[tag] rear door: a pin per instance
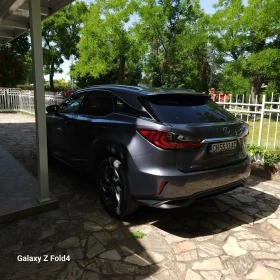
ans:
(216, 137)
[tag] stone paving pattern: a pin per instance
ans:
(231, 236)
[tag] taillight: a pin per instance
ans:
(168, 140)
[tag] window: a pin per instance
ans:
(122, 107)
(72, 104)
(98, 103)
(183, 109)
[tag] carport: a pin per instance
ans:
(16, 17)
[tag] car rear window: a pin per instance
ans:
(178, 108)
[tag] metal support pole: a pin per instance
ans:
(261, 121)
(39, 96)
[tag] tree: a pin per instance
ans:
(107, 45)
(248, 38)
(15, 62)
(61, 35)
(176, 43)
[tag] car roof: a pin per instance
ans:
(143, 90)
(133, 94)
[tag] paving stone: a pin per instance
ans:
(218, 223)
(136, 259)
(170, 238)
(89, 275)
(112, 227)
(92, 267)
(110, 255)
(275, 222)
(181, 266)
(209, 250)
(192, 275)
(72, 272)
(47, 233)
(232, 248)
(76, 254)
(92, 226)
(202, 238)
(229, 200)
(260, 272)
(264, 255)
(273, 264)
(211, 275)
(187, 256)
(124, 268)
(245, 235)
(104, 237)
(209, 264)
(16, 247)
(249, 245)
(241, 216)
(100, 218)
(244, 198)
(154, 242)
(94, 247)
(183, 247)
(221, 237)
(152, 256)
(70, 242)
(239, 266)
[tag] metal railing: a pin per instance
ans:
(23, 101)
(263, 117)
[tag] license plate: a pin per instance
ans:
(223, 146)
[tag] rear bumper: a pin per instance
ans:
(183, 188)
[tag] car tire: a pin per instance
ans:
(113, 188)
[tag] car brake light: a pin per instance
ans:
(167, 140)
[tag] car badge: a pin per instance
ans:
(226, 130)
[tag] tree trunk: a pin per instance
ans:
(121, 71)
(255, 85)
(51, 76)
(156, 76)
(203, 75)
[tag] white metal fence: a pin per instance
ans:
(13, 99)
(263, 118)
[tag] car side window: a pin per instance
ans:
(98, 103)
(72, 104)
(122, 107)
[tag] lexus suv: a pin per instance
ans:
(163, 148)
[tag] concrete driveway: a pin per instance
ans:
(232, 236)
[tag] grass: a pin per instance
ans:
(137, 234)
(269, 131)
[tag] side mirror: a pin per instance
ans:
(52, 109)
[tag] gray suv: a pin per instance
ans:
(159, 147)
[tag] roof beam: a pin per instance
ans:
(16, 24)
(11, 6)
(8, 35)
(45, 11)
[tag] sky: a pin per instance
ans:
(206, 5)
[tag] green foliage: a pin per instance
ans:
(107, 45)
(175, 38)
(137, 234)
(247, 38)
(15, 62)
(61, 35)
(271, 157)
